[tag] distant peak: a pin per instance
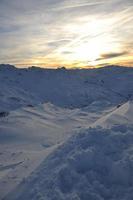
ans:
(7, 66)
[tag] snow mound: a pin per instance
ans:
(97, 164)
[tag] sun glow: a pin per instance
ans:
(93, 38)
(88, 52)
(88, 39)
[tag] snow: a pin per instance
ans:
(121, 115)
(29, 134)
(66, 134)
(95, 164)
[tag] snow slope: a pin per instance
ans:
(29, 134)
(96, 164)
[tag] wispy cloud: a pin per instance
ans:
(80, 4)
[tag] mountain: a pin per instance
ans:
(62, 87)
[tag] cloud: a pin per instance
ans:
(74, 5)
(111, 55)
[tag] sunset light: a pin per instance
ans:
(71, 33)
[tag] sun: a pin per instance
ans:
(88, 52)
(35, 61)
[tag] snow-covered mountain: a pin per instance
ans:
(67, 88)
(66, 134)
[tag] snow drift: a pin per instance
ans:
(122, 114)
(96, 165)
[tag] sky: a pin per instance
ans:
(70, 33)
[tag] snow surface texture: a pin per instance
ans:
(47, 148)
